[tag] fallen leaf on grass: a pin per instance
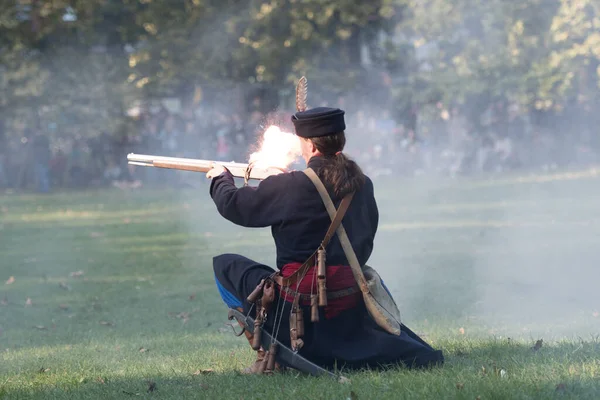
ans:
(28, 302)
(203, 372)
(460, 386)
(10, 280)
(151, 386)
(142, 350)
(76, 274)
(461, 331)
(126, 220)
(41, 327)
(106, 323)
(538, 345)
(64, 286)
(185, 316)
(561, 387)
(42, 370)
(63, 306)
(101, 380)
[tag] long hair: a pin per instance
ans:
(339, 173)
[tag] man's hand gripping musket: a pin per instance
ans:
(238, 170)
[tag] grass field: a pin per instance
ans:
(110, 294)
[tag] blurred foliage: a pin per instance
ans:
(538, 53)
(81, 63)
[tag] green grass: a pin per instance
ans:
(509, 261)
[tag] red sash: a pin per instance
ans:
(339, 277)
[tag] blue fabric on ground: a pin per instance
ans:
(228, 298)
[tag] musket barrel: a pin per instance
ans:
(239, 170)
(140, 157)
(150, 159)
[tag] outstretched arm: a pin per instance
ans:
(252, 207)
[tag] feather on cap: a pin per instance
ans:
(301, 94)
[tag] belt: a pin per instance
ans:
(330, 295)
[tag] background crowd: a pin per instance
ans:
(505, 140)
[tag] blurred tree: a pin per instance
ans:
(21, 76)
(59, 66)
(575, 48)
(477, 53)
(261, 43)
(85, 61)
(537, 53)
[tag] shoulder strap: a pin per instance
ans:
(348, 250)
(336, 221)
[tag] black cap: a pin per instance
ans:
(319, 121)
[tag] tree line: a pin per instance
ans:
(80, 64)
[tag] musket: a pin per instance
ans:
(239, 170)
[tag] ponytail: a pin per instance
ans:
(339, 173)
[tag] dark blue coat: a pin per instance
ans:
(291, 205)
